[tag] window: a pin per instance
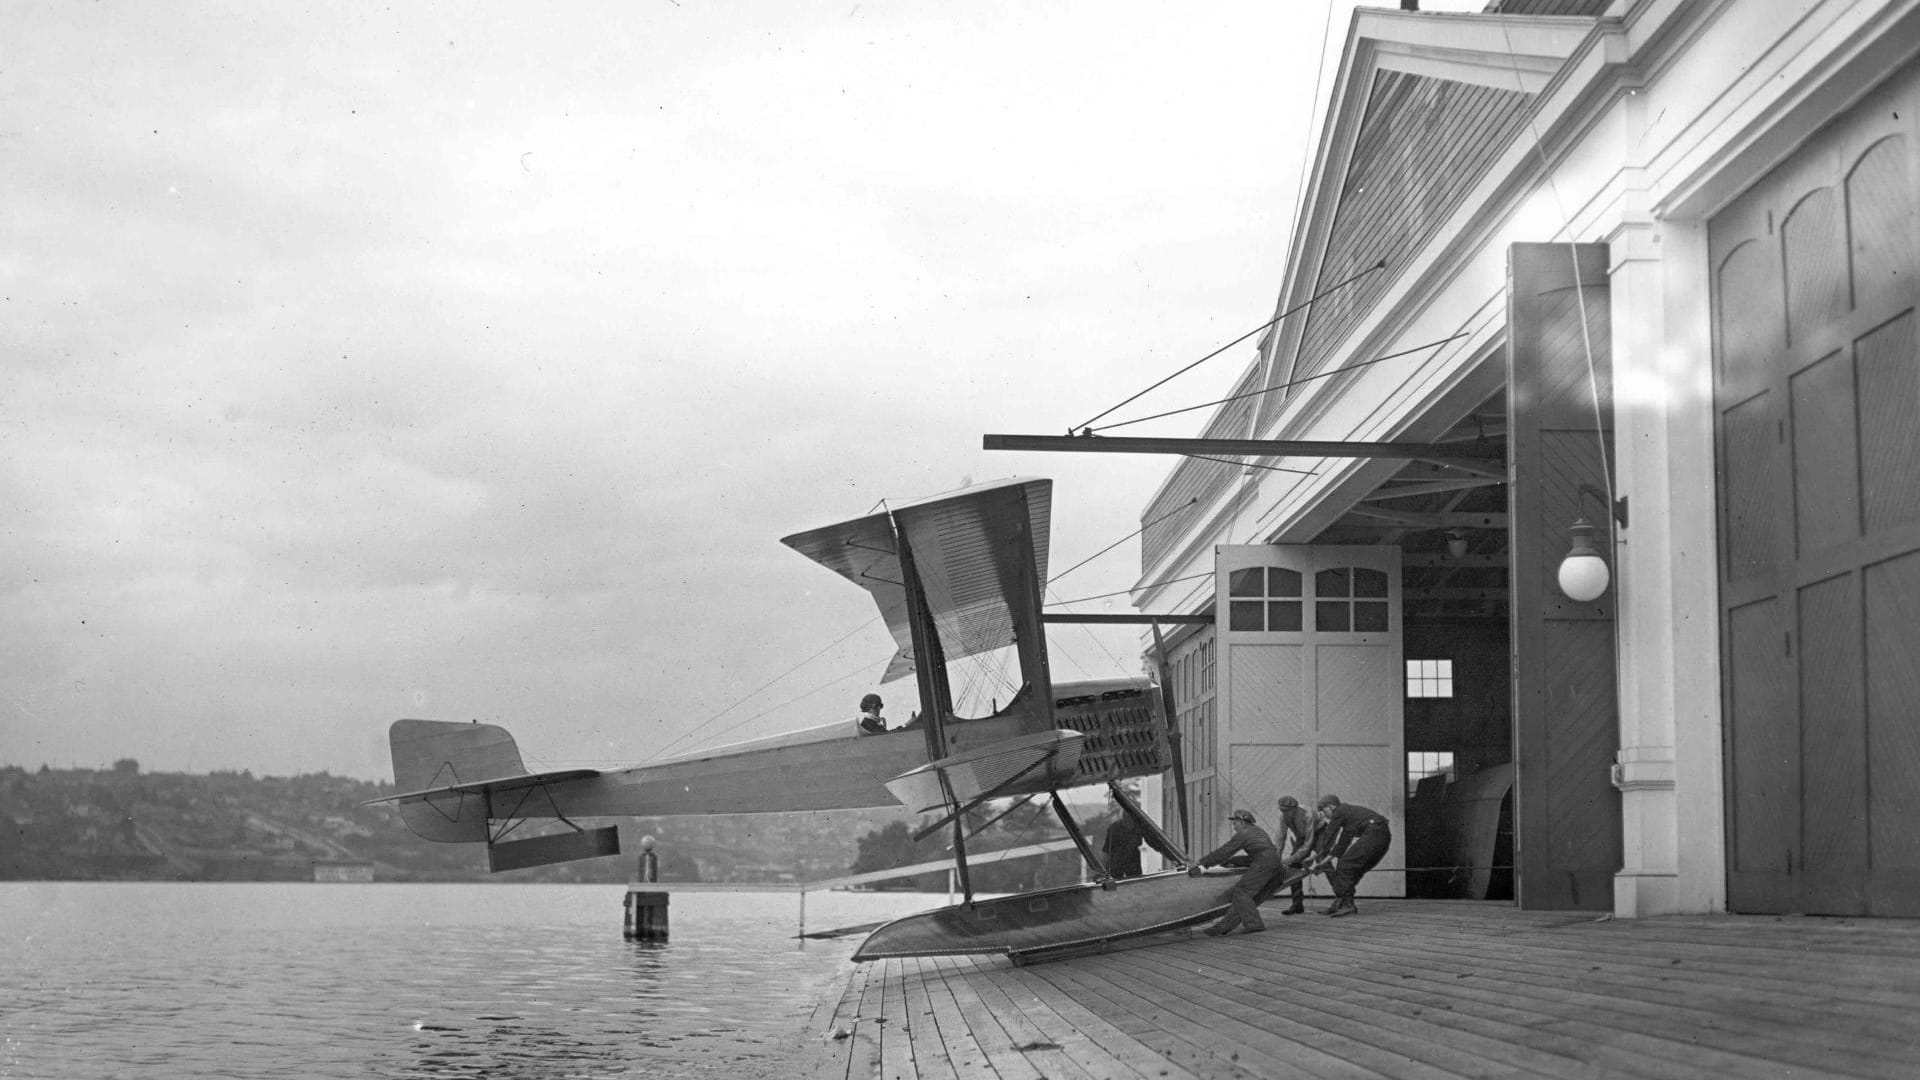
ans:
(1422, 764)
(1264, 598)
(1429, 678)
(1350, 599)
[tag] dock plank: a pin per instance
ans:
(995, 1044)
(1107, 1051)
(894, 1026)
(957, 1038)
(932, 1059)
(1656, 1002)
(1421, 990)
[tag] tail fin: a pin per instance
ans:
(435, 767)
(449, 774)
(431, 754)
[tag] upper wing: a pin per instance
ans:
(982, 557)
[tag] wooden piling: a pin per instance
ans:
(646, 908)
(646, 914)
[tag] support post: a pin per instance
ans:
(646, 908)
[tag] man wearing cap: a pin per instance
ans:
(1354, 839)
(1265, 867)
(1297, 828)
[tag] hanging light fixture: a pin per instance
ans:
(1456, 544)
(1584, 574)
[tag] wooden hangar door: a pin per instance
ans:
(1566, 717)
(1309, 684)
(1817, 405)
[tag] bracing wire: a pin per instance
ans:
(1182, 508)
(1290, 384)
(701, 726)
(1341, 284)
(1130, 592)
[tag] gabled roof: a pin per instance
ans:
(1423, 106)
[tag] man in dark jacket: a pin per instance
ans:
(1265, 868)
(1121, 847)
(1354, 838)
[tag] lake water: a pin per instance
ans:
(292, 981)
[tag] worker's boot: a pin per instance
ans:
(1298, 907)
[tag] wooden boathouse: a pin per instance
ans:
(1643, 271)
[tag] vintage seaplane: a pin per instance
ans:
(954, 576)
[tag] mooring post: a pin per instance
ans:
(646, 908)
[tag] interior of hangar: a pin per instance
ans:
(1594, 367)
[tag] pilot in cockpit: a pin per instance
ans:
(871, 722)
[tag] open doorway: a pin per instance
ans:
(1459, 759)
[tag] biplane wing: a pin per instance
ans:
(979, 558)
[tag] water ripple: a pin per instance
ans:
(428, 981)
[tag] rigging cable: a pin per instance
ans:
(697, 728)
(1182, 508)
(1285, 385)
(1376, 267)
(1130, 592)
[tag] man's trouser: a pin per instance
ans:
(1243, 903)
(1362, 855)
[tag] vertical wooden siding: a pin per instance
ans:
(1425, 144)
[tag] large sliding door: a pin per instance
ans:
(1311, 684)
(1566, 714)
(1817, 399)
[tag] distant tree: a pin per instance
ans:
(893, 845)
(127, 766)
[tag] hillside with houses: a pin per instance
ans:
(123, 824)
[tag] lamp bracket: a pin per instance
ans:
(1616, 507)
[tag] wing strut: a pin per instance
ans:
(1161, 840)
(989, 823)
(1080, 839)
(959, 842)
(990, 793)
(929, 660)
(1161, 661)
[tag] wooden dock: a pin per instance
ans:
(1408, 988)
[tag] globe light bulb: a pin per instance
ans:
(1583, 572)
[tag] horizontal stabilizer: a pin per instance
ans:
(559, 847)
(493, 786)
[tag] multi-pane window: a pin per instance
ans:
(1429, 678)
(1264, 598)
(1424, 763)
(1350, 598)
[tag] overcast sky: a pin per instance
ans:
(469, 361)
